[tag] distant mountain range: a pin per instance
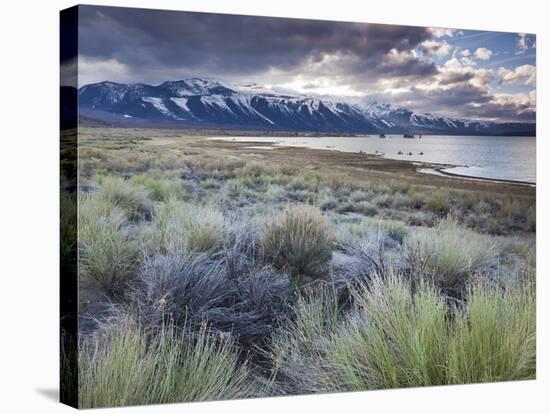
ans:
(201, 103)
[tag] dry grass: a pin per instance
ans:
(299, 240)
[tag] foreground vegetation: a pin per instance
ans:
(394, 338)
(205, 276)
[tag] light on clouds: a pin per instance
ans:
(483, 53)
(440, 70)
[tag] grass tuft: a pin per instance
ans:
(449, 254)
(130, 198)
(124, 366)
(107, 254)
(299, 240)
(399, 337)
(179, 227)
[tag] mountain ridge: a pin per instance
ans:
(202, 103)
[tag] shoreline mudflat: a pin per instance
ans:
(363, 166)
(477, 178)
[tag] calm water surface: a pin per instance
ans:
(500, 158)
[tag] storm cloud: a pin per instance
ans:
(231, 43)
(410, 66)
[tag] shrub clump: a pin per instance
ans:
(206, 229)
(349, 235)
(299, 240)
(449, 254)
(161, 188)
(226, 292)
(439, 202)
(126, 195)
(179, 227)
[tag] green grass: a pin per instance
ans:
(416, 201)
(167, 233)
(358, 196)
(107, 253)
(124, 366)
(494, 339)
(298, 183)
(396, 338)
(179, 227)
(159, 187)
(124, 194)
(449, 254)
(209, 184)
(295, 348)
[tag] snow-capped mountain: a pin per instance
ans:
(389, 118)
(199, 102)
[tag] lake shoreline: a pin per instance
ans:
(430, 168)
(484, 158)
(473, 177)
(360, 165)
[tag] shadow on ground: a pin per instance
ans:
(49, 393)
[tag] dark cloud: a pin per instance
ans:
(320, 58)
(310, 85)
(504, 108)
(405, 64)
(456, 97)
(469, 101)
(231, 43)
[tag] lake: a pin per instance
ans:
(491, 157)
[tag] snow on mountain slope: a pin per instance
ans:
(159, 106)
(200, 102)
(181, 103)
(193, 86)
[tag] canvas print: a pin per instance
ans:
(256, 206)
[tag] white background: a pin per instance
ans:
(29, 205)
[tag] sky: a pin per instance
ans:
(463, 73)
